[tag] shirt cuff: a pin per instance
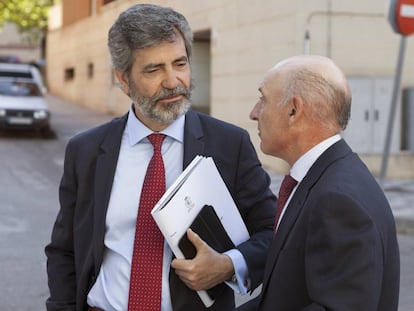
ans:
(240, 282)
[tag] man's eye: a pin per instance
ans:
(181, 64)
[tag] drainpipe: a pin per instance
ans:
(329, 14)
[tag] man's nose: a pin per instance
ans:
(255, 112)
(171, 80)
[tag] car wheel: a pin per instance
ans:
(46, 132)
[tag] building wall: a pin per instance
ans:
(246, 39)
(13, 44)
(75, 10)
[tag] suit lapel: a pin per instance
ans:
(332, 154)
(104, 176)
(193, 137)
(291, 214)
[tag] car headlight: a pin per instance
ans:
(40, 114)
(2, 112)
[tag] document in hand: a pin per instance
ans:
(209, 227)
(200, 184)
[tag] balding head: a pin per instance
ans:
(320, 83)
(315, 63)
(304, 100)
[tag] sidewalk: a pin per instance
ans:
(400, 194)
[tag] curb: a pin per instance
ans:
(404, 225)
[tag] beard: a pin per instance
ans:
(165, 113)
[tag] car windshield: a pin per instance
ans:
(19, 88)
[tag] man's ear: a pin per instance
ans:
(123, 81)
(295, 107)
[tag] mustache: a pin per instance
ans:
(165, 93)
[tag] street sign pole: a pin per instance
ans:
(393, 108)
(401, 18)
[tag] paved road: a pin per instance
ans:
(30, 169)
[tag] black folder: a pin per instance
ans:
(210, 229)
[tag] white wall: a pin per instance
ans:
(247, 38)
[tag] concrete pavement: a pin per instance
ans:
(400, 194)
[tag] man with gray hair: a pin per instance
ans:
(106, 252)
(335, 245)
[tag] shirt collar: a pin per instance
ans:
(304, 163)
(137, 131)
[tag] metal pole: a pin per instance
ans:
(329, 30)
(391, 116)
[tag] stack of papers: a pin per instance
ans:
(198, 185)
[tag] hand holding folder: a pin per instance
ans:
(199, 199)
(210, 229)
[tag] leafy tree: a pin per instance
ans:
(30, 16)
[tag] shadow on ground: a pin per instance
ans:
(27, 134)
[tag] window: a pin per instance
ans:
(90, 70)
(69, 74)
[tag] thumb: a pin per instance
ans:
(195, 239)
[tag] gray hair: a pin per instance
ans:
(142, 26)
(327, 99)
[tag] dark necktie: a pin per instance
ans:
(146, 267)
(286, 188)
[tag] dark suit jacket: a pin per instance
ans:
(336, 247)
(76, 248)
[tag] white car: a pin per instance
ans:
(22, 105)
(12, 70)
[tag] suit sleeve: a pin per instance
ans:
(344, 255)
(257, 206)
(59, 252)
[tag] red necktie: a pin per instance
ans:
(146, 267)
(286, 188)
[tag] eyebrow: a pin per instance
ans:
(182, 58)
(157, 65)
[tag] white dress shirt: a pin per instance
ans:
(110, 291)
(301, 167)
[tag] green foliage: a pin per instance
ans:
(28, 15)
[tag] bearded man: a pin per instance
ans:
(93, 246)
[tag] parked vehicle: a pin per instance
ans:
(10, 59)
(22, 105)
(22, 71)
